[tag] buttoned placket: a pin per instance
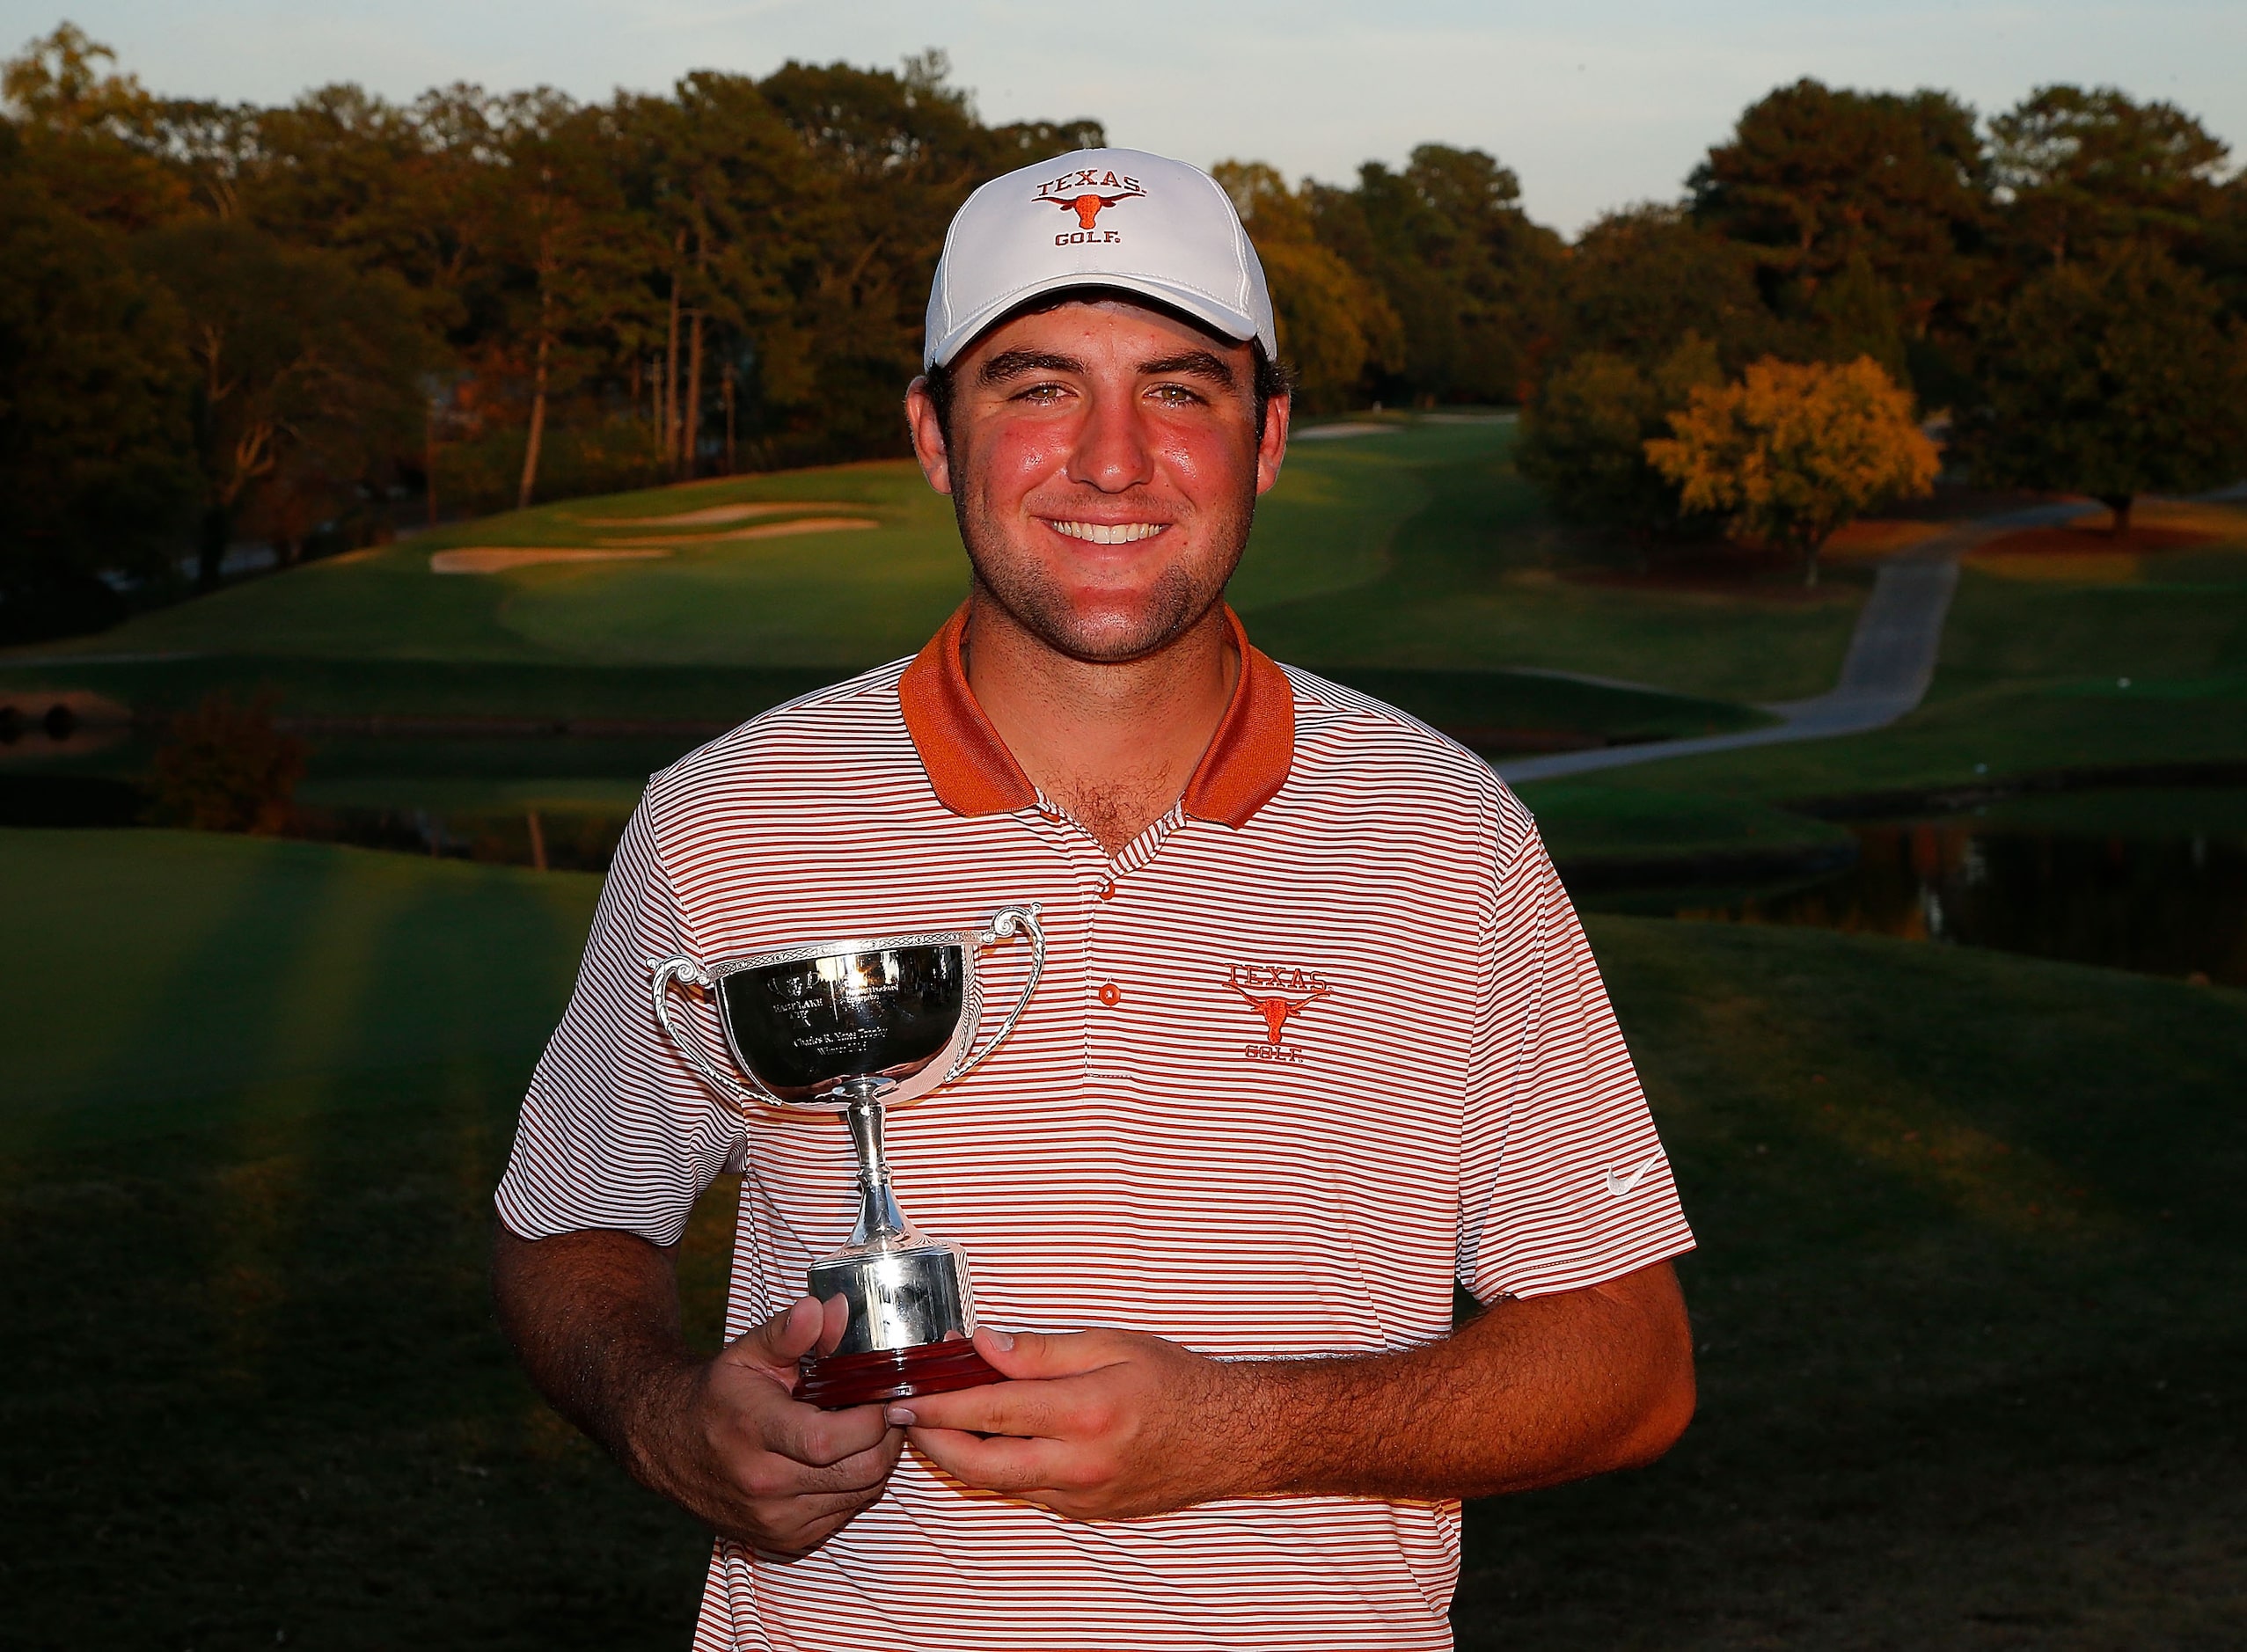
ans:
(1101, 882)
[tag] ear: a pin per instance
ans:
(1273, 448)
(928, 436)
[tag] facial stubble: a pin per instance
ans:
(1020, 586)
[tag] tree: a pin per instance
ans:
(891, 156)
(1334, 325)
(2080, 171)
(88, 133)
(2113, 376)
(1814, 179)
(1639, 280)
(1584, 433)
(1472, 281)
(1794, 451)
(95, 461)
(564, 229)
(302, 364)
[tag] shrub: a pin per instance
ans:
(225, 768)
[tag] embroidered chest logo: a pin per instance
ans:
(1275, 993)
(1087, 194)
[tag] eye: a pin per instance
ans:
(1040, 395)
(1176, 395)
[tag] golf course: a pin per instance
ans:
(1967, 1295)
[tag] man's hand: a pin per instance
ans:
(756, 1465)
(595, 1317)
(1096, 1425)
(1113, 1424)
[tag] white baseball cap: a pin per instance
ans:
(1118, 218)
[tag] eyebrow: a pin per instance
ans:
(1203, 364)
(1012, 364)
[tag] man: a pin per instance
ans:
(1320, 1037)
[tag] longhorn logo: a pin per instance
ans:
(1276, 994)
(1087, 207)
(1086, 193)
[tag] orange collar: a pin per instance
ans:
(974, 773)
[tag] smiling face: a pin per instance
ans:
(1104, 462)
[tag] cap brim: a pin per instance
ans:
(1218, 317)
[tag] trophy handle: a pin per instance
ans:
(685, 968)
(1006, 923)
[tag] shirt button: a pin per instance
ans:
(1108, 890)
(1110, 994)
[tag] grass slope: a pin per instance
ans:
(1418, 549)
(2036, 675)
(1968, 1289)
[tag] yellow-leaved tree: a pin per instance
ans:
(1796, 450)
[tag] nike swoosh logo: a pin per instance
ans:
(1618, 1184)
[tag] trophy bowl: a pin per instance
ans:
(852, 1026)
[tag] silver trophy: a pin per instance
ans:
(851, 1027)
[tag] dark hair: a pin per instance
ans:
(1271, 377)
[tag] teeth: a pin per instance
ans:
(1110, 533)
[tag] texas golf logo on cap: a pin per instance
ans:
(1086, 193)
(1120, 219)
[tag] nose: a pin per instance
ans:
(1111, 452)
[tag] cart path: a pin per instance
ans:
(1886, 674)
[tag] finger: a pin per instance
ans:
(993, 1465)
(820, 1439)
(1026, 1409)
(1039, 1354)
(835, 1319)
(861, 1470)
(804, 1523)
(785, 1338)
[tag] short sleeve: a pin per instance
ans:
(1563, 1180)
(618, 1131)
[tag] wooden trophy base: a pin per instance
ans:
(882, 1374)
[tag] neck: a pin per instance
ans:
(1114, 744)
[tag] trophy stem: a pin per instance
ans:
(878, 1216)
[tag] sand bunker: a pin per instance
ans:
(713, 516)
(504, 559)
(500, 558)
(767, 531)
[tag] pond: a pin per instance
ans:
(2148, 884)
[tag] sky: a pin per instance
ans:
(1595, 105)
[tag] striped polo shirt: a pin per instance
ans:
(1322, 1041)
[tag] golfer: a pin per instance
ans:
(1319, 1042)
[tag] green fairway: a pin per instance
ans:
(2040, 679)
(1415, 564)
(2038, 675)
(1418, 549)
(1967, 1292)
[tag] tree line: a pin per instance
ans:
(293, 323)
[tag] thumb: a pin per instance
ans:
(1032, 1354)
(784, 1338)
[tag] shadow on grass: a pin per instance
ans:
(1967, 1299)
(1968, 1296)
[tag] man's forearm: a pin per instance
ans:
(594, 1316)
(1528, 1393)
